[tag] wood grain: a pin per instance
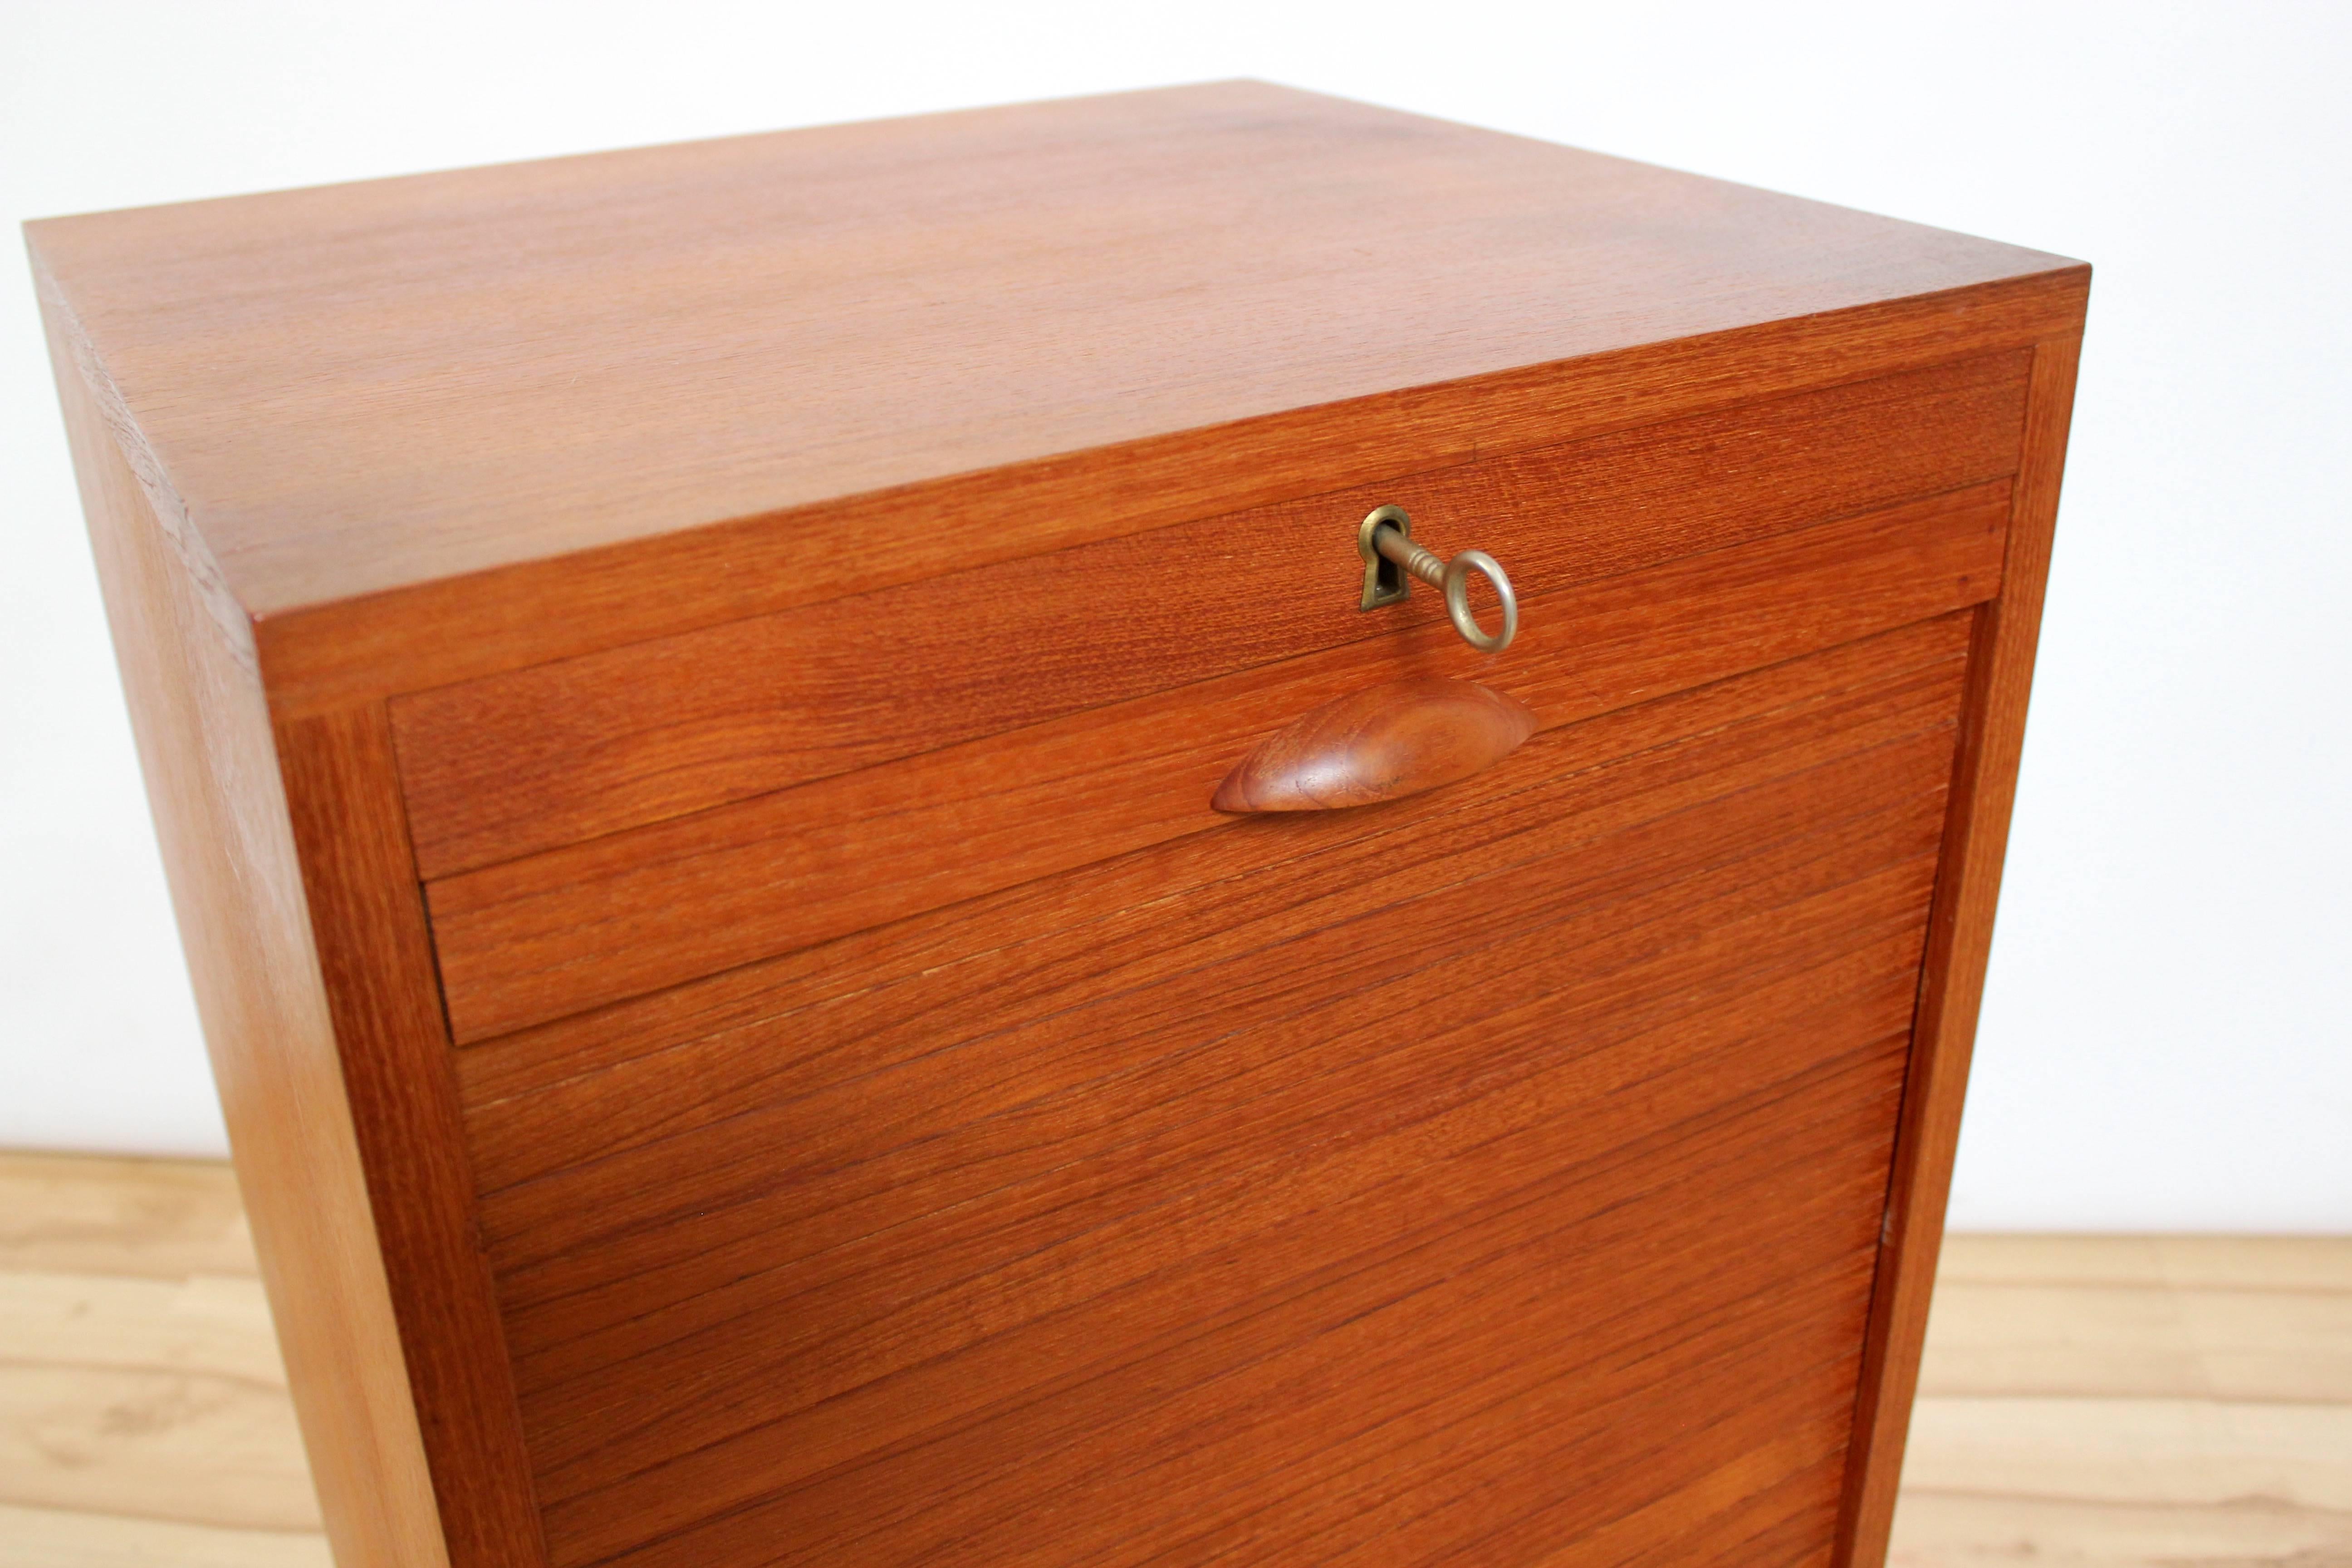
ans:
(193, 1444)
(2250, 1342)
(1486, 1427)
(376, 961)
(573, 1311)
(79, 1214)
(1492, 1438)
(2297, 1449)
(144, 1417)
(600, 1084)
(170, 1390)
(208, 1323)
(767, 1459)
(2133, 1400)
(497, 768)
(408, 383)
(1979, 1527)
(696, 1326)
(1762, 752)
(1984, 785)
(200, 720)
(2017, 1318)
(462, 628)
(1381, 743)
(119, 1538)
(534, 940)
(2281, 1265)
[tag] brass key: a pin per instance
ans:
(1385, 542)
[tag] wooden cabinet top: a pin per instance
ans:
(364, 390)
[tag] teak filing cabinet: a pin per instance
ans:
(830, 935)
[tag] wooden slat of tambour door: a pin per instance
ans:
(744, 875)
(869, 1313)
(1541, 1397)
(602, 1291)
(1892, 999)
(1717, 1404)
(1764, 954)
(518, 763)
(1722, 1388)
(1716, 1518)
(1482, 1413)
(633, 1393)
(1753, 1448)
(1900, 998)
(1691, 1135)
(1630, 828)
(1751, 1445)
(1136, 932)
(1660, 1367)
(1761, 1506)
(1626, 1230)
(1569, 1354)
(599, 1083)
(536, 939)
(1732, 1394)
(1795, 1541)
(845, 1306)
(657, 1202)
(866, 1363)
(1235, 1404)
(1462, 869)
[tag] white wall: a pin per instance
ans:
(2165, 1042)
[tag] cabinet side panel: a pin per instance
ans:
(204, 745)
(1984, 785)
(368, 914)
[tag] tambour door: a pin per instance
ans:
(911, 1125)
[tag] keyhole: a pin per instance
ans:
(1385, 582)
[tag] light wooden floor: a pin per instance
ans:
(2178, 1401)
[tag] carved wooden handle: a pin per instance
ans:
(1381, 744)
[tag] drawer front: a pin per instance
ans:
(1495, 1172)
